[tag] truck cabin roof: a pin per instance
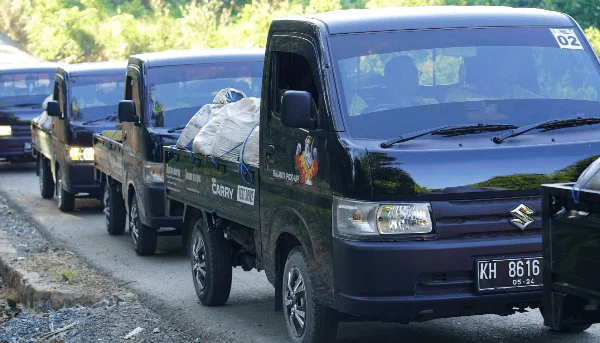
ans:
(433, 17)
(29, 67)
(183, 57)
(95, 68)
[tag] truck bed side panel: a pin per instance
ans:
(108, 157)
(198, 182)
(41, 140)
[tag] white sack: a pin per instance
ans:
(44, 120)
(204, 114)
(203, 141)
(240, 119)
(588, 174)
(251, 155)
(228, 95)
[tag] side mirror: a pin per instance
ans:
(297, 109)
(126, 112)
(53, 109)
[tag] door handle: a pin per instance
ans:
(270, 153)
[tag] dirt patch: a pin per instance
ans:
(62, 271)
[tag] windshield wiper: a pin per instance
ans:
(110, 117)
(448, 130)
(552, 124)
(176, 129)
(23, 105)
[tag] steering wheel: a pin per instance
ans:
(378, 107)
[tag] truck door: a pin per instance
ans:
(60, 125)
(295, 190)
(131, 134)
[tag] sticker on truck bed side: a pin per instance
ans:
(245, 195)
(566, 39)
(175, 172)
(306, 161)
(221, 190)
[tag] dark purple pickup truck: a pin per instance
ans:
(23, 88)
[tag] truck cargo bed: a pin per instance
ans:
(571, 240)
(195, 180)
(108, 157)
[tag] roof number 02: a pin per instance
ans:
(566, 39)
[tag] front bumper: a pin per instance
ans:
(15, 147)
(79, 178)
(422, 280)
(153, 214)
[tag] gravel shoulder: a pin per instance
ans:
(49, 294)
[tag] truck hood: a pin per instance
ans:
(19, 116)
(469, 167)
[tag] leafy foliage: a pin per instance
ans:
(96, 30)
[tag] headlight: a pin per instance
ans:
(154, 172)
(404, 218)
(358, 219)
(81, 154)
(5, 130)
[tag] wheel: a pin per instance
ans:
(114, 209)
(144, 237)
(211, 264)
(306, 320)
(45, 178)
(66, 200)
(573, 328)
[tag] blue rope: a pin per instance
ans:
(576, 197)
(242, 166)
(218, 158)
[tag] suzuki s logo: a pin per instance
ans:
(522, 217)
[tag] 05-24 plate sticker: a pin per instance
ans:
(567, 39)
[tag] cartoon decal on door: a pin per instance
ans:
(306, 161)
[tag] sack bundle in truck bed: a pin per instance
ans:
(226, 129)
(205, 113)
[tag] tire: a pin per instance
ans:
(210, 256)
(45, 179)
(144, 237)
(320, 323)
(573, 328)
(66, 200)
(114, 209)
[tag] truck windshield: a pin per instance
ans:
(95, 96)
(25, 88)
(396, 82)
(177, 92)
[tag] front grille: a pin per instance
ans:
(20, 131)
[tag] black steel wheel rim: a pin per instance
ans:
(295, 301)
(135, 231)
(199, 261)
(41, 176)
(106, 200)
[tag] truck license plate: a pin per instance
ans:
(506, 274)
(27, 147)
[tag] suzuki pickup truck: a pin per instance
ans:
(402, 153)
(162, 92)
(23, 88)
(571, 245)
(84, 100)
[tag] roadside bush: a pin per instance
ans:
(594, 36)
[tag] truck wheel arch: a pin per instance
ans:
(287, 230)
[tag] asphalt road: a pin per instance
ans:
(164, 283)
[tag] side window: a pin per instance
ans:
(59, 94)
(132, 92)
(293, 72)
